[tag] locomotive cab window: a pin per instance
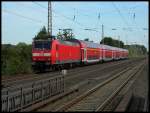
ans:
(42, 45)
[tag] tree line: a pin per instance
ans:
(112, 42)
(63, 34)
(136, 50)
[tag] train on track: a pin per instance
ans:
(52, 54)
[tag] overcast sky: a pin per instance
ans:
(22, 20)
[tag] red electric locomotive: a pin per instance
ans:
(54, 54)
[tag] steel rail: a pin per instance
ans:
(54, 74)
(77, 86)
(81, 97)
(76, 100)
(42, 80)
(17, 78)
(102, 106)
(32, 77)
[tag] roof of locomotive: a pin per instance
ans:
(65, 42)
(68, 42)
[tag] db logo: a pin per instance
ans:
(41, 54)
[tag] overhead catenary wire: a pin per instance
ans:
(62, 15)
(31, 7)
(41, 11)
(54, 16)
(82, 27)
(87, 14)
(100, 13)
(25, 17)
(39, 21)
(124, 20)
(75, 21)
(83, 14)
(39, 5)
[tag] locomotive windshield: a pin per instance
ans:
(42, 45)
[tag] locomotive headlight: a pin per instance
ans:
(35, 54)
(47, 54)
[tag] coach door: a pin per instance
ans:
(101, 54)
(112, 54)
(83, 54)
(104, 52)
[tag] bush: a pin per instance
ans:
(16, 59)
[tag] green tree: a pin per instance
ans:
(42, 34)
(65, 34)
(59, 35)
(25, 52)
(16, 59)
(86, 39)
(112, 42)
(136, 50)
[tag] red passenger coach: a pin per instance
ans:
(107, 52)
(125, 53)
(91, 52)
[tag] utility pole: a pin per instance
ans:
(103, 33)
(119, 41)
(126, 42)
(49, 19)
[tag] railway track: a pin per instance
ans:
(35, 77)
(96, 98)
(96, 73)
(81, 86)
(30, 77)
(81, 81)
